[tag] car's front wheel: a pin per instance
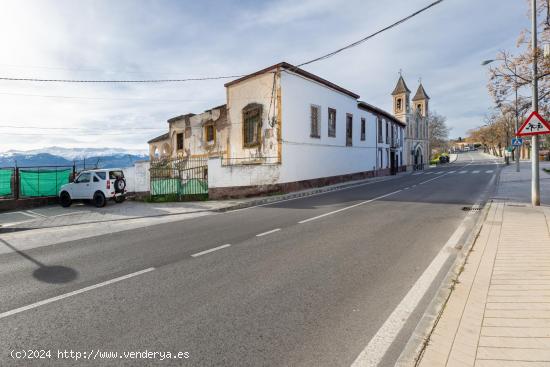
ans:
(65, 199)
(99, 199)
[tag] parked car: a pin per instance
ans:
(98, 185)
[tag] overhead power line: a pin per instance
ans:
(364, 39)
(79, 128)
(121, 81)
(323, 57)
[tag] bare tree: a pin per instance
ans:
(439, 131)
(514, 71)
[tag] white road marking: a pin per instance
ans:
(406, 188)
(428, 173)
(268, 232)
(73, 293)
(38, 214)
(210, 250)
(461, 172)
(308, 196)
(418, 173)
(438, 173)
(489, 171)
(27, 214)
(452, 171)
(380, 343)
(348, 207)
(475, 171)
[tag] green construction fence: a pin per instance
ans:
(6, 178)
(34, 182)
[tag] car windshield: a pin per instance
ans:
(83, 177)
(113, 175)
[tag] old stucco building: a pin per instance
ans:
(192, 136)
(283, 129)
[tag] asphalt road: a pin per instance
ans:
(313, 289)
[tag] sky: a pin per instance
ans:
(162, 39)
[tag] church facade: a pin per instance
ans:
(415, 117)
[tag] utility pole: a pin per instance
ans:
(535, 189)
(518, 148)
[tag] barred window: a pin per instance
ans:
(252, 123)
(363, 128)
(332, 122)
(315, 114)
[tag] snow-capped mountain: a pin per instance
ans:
(103, 157)
(74, 153)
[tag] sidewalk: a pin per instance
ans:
(499, 311)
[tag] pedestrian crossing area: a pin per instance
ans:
(457, 172)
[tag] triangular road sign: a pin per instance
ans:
(534, 125)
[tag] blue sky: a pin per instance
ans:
(176, 39)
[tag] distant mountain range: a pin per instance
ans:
(57, 156)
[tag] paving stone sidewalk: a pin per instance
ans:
(499, 311)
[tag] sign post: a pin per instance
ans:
(534, 126)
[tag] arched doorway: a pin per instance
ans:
(418, 158)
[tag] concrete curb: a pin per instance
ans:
(415, 347)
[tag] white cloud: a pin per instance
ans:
(120, 39)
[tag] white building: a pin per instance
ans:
(289, 129)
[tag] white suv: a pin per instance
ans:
(97, 185)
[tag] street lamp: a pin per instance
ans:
(487, 62)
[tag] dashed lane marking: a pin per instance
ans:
(268, 232)
(73, 293)
(210, 250)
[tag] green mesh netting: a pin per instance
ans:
(42, 182)
(5, 181)
(167, 186)
(194, 187)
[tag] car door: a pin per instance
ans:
(82, 186)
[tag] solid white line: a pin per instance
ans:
(35, 213)
(210, 250)
(268, 232)
(380, 343)
(307, 196)
(348, 207)
(73, 293)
